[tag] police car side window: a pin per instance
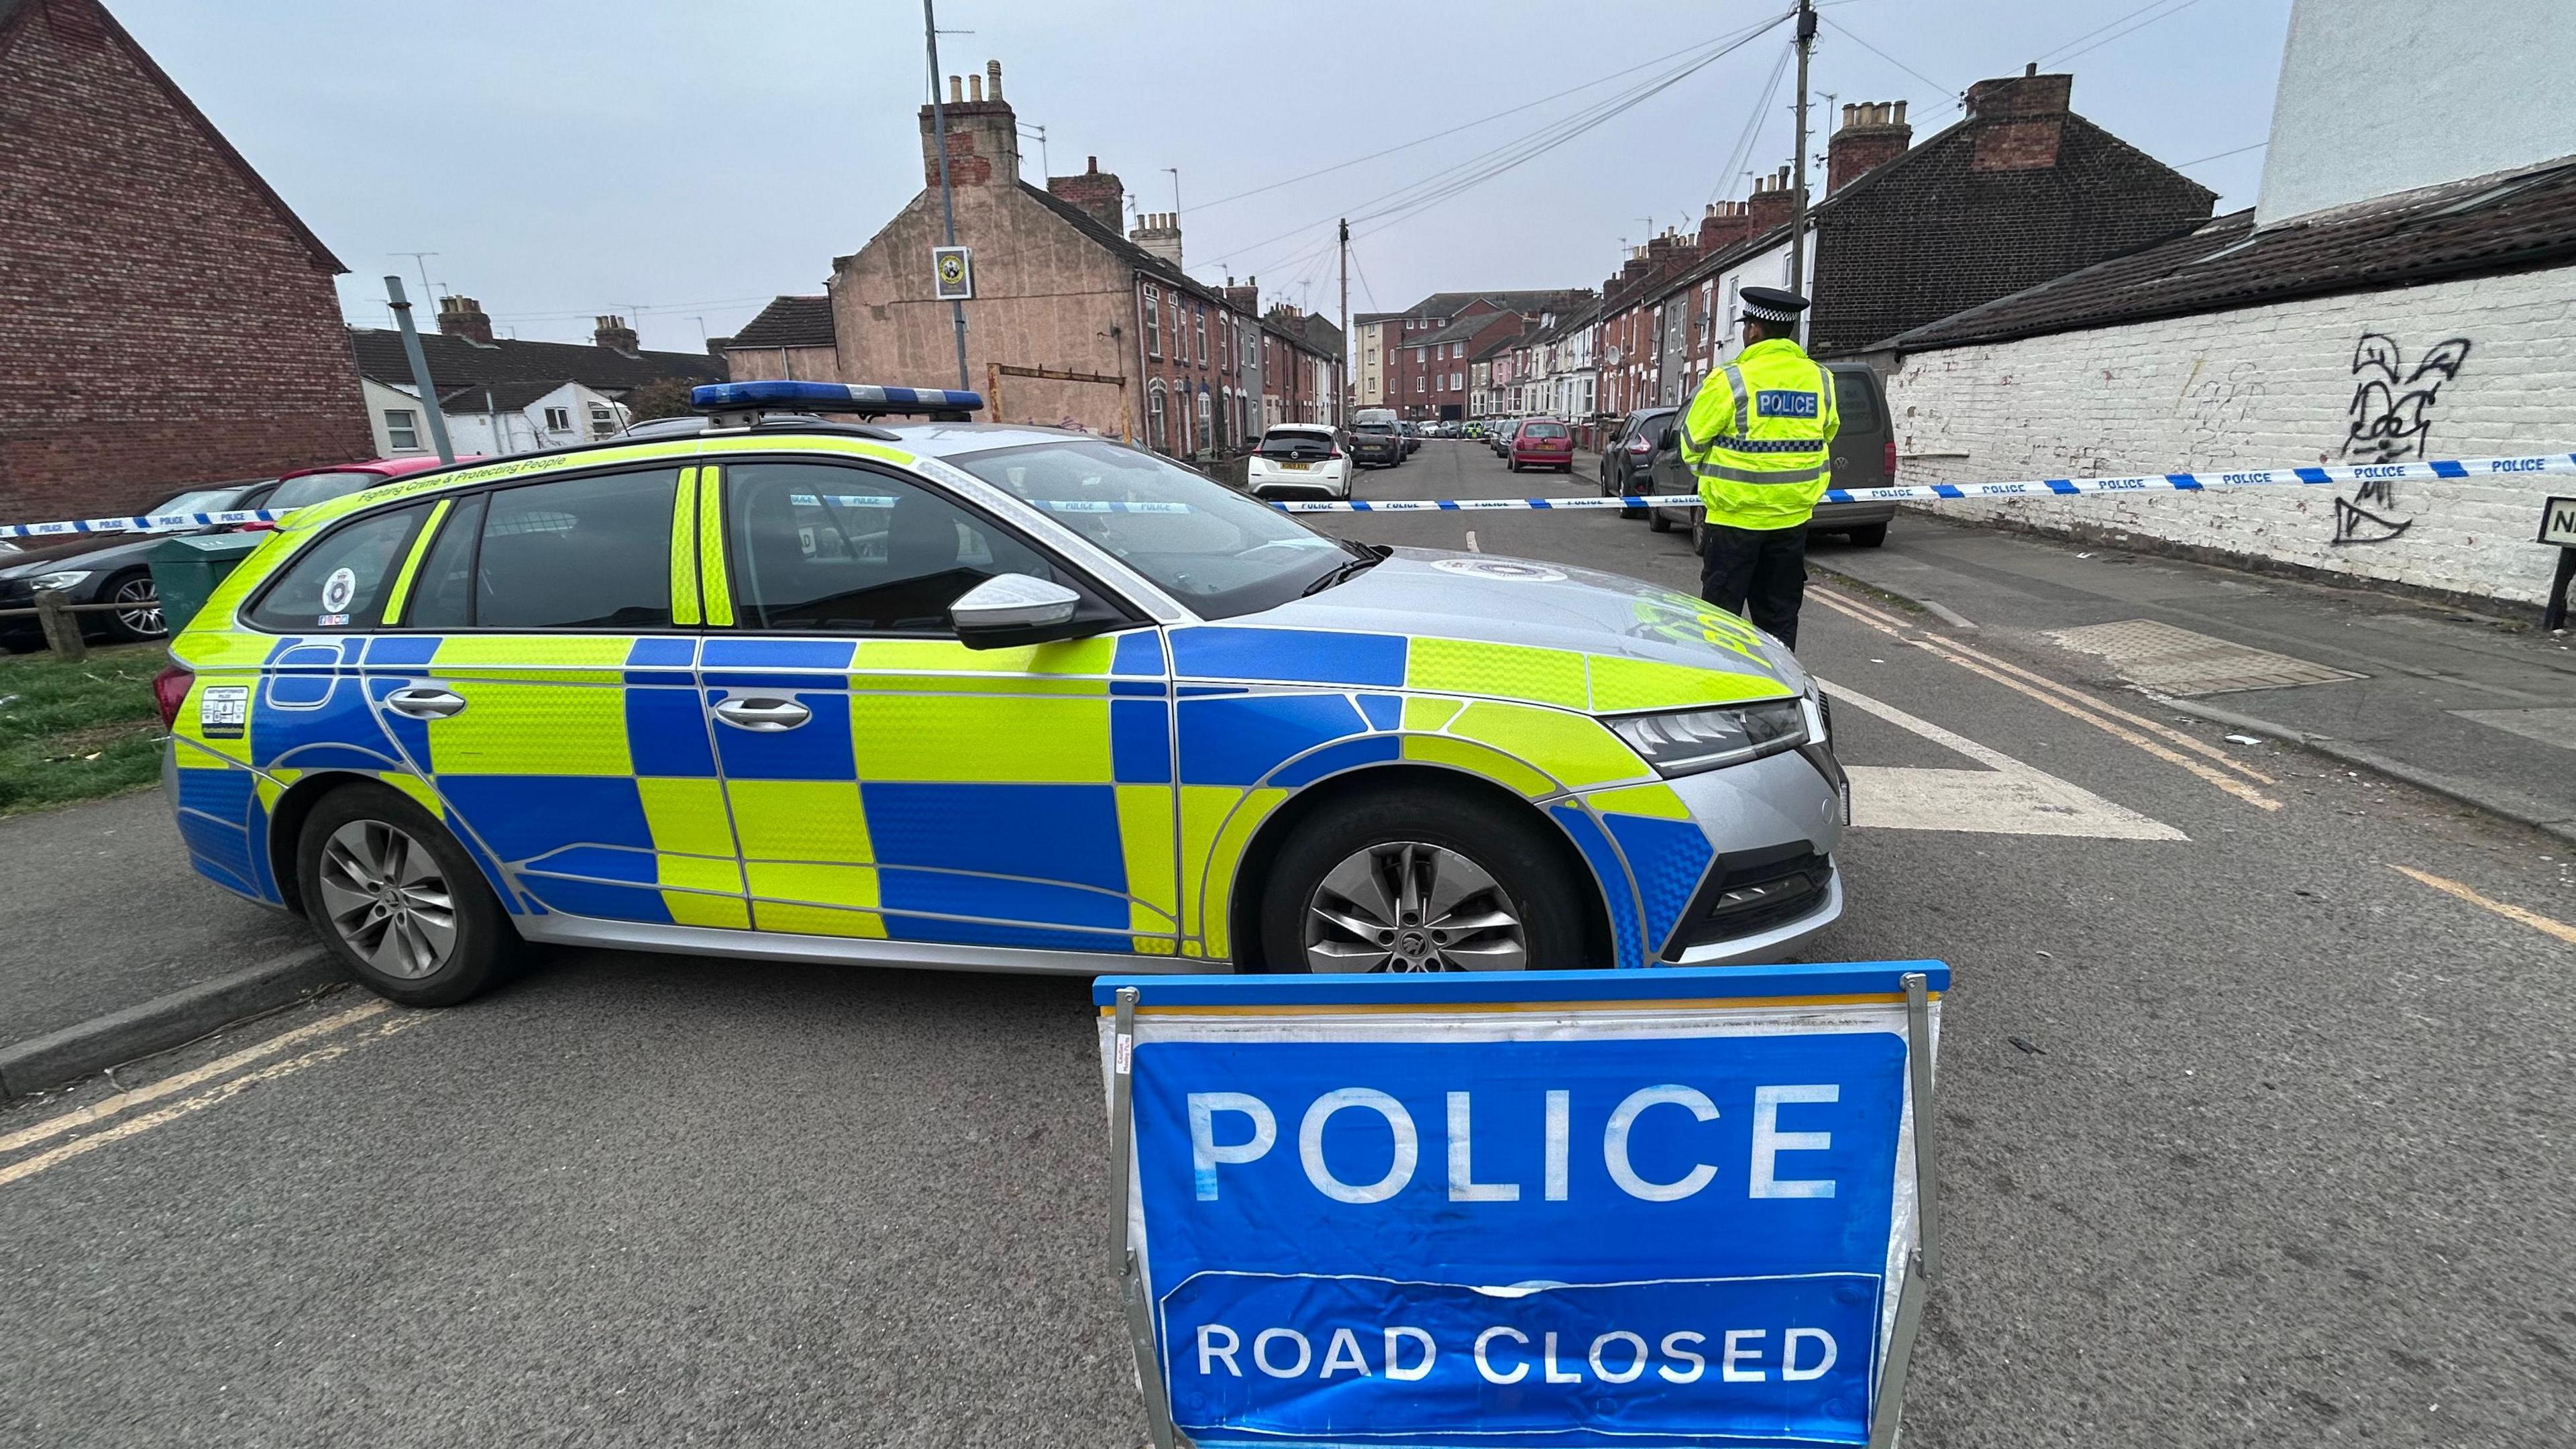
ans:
(339, 580)
(578, 553)
(442, 592)
(813, 547)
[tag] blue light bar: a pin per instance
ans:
(831, 397)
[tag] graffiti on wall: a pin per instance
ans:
(2390, 420)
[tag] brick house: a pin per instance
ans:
(1428, 348)
(509, 396)
(2021, 189)
(1101, 328)
(165, 319)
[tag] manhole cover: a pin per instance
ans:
(2178, 661)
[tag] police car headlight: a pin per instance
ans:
(1686, 741)
(59, 579)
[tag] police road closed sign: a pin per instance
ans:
(2558, 522)
(1520, 1209)
(952, 273)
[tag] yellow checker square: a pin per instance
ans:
(1431, 714)
(687, 908)
(980, 739)
(687, 815)
(800, 820)
(1625, 684)
(698, 872)
(1657, 801)
(1070, 656)
(509, 728)
(817, 920)
(1477, 759)
(1217, 821)
(1506, 671)
(1576, 749)
(848, 886)
(1145, 832)
(593, 658)
(422, 793)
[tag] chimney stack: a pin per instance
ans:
(1726, 224)
(1873, 133)
(613, 334)
(1773, 202)
(464, 317)
(1159, 232)
(1095, 191)
(983, 134)
(2019, 120)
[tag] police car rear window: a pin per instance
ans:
(578, 553)
(339, 581)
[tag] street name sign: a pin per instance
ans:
(1584, 1208)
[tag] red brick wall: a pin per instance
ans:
(161, 323)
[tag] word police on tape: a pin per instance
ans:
(1548, 1208)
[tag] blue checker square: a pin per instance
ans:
(1595, 844)
(1384, 711)
(1240, 739)
(401, 651)
(662, 652)
(1312, 656)
(1668, 857)
(754, 653)
(525, 816)
(1340, 755)
(818, 749)
(1140, 742)
(1045, 832)
(590, 898)
(988, 898)
(1138, 653)
(666, 731)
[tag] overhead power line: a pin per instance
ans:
(2132, 30)
(2220, 155)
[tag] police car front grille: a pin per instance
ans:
(1752, 891)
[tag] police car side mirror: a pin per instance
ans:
(1013, 609)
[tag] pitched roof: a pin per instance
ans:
(1126, 251)
(790, 321)
(455, 362)
(2488, 224)
(508, 397)
(15, 15)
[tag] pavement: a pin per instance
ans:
(2255, 1097)
(2481, 709)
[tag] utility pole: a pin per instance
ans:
(419, 368)
(1341, 373)
(1798, 217)
(948, 202)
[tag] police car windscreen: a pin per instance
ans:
(1213, 549)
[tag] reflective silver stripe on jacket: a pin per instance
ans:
(1764, 475)
(1743, 403)
(1768, 445)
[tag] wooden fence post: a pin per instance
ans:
(62, 627)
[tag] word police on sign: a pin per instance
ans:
(952, 273)
(1548, 1208)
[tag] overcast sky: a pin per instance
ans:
(683, 162)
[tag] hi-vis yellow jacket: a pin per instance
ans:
(1759, 435)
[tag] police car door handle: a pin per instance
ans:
(424, 703)
(765, 715)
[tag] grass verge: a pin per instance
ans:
(77, 731)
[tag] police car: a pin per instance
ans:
(931, 693)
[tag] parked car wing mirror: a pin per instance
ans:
(1013, 609)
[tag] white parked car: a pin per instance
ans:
(1299, 460)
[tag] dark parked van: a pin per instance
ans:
(1864, 457)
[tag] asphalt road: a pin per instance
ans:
(2251, 1137)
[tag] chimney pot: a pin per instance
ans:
(1848, 108)
(956, 91)
(993, 79)
(1900, 113)
(1095, 167)
(975, 88)
(2031, 69)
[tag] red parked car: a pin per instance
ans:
(1543, 443)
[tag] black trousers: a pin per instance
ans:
(1765, 568)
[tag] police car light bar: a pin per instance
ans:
(831, 397)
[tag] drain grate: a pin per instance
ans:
(2178, 661)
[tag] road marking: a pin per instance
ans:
(2517, 914)
(2005, 798)
(2066, 701)
(222, 1092)
(152, 1092)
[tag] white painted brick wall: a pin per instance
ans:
(2267, 387)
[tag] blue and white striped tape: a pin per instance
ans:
(2333, 475)
(2326, 475)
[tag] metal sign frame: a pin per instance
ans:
(952, 273)
(1923, 1264)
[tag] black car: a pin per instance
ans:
(1632, 448)
(1377, 438)
(113, 568)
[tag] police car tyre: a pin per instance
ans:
(1869, 535)
(1421, 878)
(398, 901)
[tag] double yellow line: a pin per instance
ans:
(222, 1080)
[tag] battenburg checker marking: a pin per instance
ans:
(1581, 1208)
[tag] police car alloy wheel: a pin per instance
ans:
(398, 900)
(1410, 906)
(1423, 877)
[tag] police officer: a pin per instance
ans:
(1758, 437)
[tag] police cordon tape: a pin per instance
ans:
(2321, 476)
(2312, 477)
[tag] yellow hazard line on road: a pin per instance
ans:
(2071, 702)
(2514, 913)
(224, 1090)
